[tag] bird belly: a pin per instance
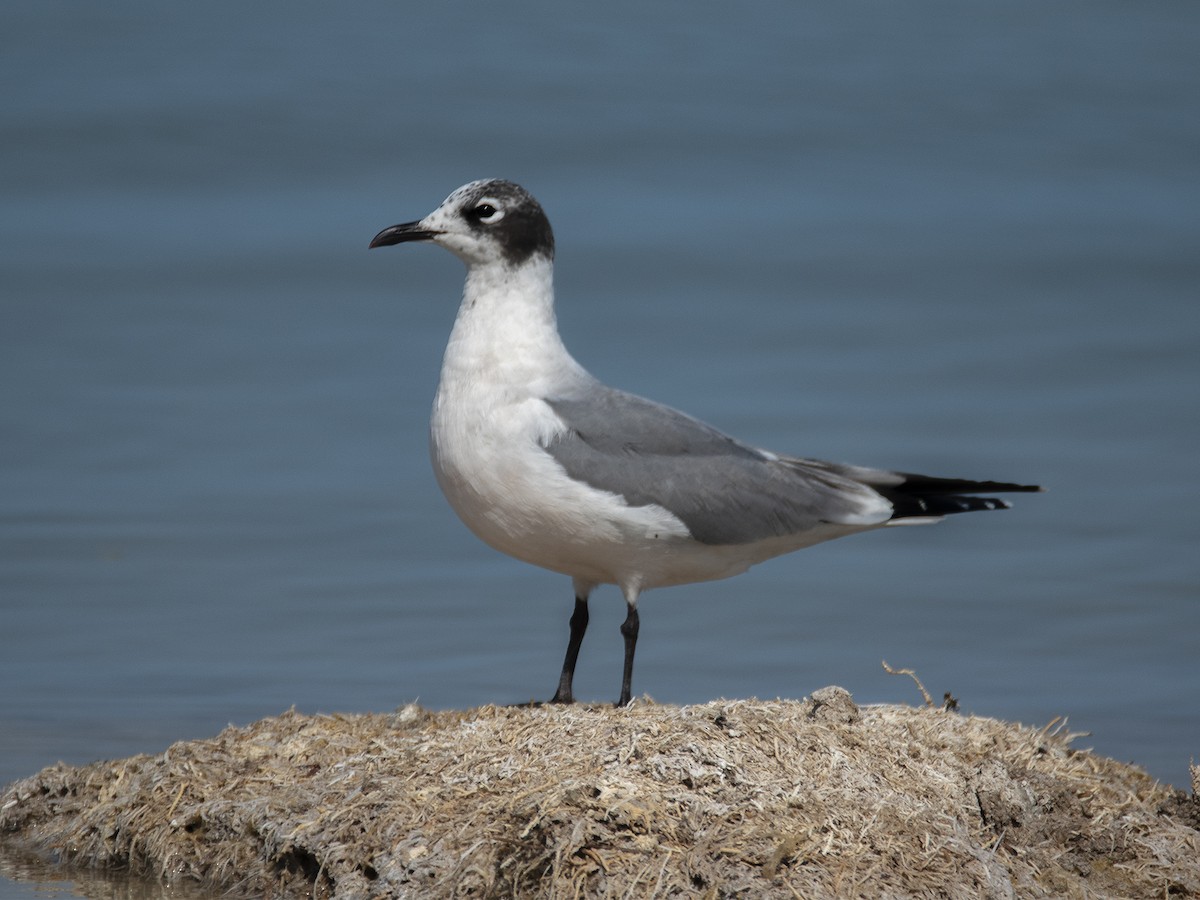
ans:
(516, 498)
(525, 505)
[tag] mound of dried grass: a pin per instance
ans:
(809, 798)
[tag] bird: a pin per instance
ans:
(545, 463)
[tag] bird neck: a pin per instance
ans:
(506, 328)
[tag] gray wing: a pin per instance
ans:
(724, 491)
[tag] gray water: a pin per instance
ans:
(954, 238)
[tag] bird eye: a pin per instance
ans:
(487, 211)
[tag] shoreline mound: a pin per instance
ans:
(788, 798)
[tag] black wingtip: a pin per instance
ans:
(927, 484)
(924, 495)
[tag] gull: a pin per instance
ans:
(547, 464)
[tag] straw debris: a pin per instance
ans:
(813, 798)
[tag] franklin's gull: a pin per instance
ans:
(545, 463)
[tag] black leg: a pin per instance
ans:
(629, 631)
(579, 624)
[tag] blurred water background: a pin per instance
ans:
(958, 239)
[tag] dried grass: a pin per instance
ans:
(812, 798)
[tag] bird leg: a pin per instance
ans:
(579, 624)
(629, 631)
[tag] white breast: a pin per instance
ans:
(488, 426)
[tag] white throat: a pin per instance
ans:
(506, 334)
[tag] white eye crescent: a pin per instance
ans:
(488, 210)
